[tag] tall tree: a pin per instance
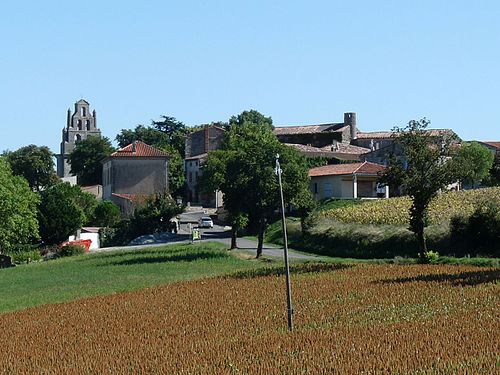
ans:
(427, 169)
(244, 171)
(146, 134)
(18, 209)
(35, 164)
(86, 159)
(174, 130)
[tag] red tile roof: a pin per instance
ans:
(309, 129)
(494, 144)
(139, 149)
(365, 168)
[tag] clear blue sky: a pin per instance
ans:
(301, 62)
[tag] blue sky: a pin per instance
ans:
(301, 62)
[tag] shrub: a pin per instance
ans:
(24, 254)
(70, 250)
(479, 233)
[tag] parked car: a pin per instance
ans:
(205, 222)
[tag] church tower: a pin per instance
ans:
(79, 126)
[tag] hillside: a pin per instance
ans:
(394, 211)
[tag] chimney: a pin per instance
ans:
(134, 149)
(350, 119)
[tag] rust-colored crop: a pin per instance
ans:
(370, 319)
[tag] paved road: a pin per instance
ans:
(214, 234)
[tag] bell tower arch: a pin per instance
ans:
(80, 125)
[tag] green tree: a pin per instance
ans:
(154, 216)
(146, 134)
(86, 159)
(244, 171)
(106, 214)
(63, 210)
(174, 130)
(429, 169)
(35, 164)
(476, 161)
(18, 209)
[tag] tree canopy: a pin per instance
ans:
(476, 161)
(63, 210)
(86, 159)
(245, 163)
(35, 164)
(18, 209)
(427, 168)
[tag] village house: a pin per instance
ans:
(198, 145)
(354, 180)
(133, 173)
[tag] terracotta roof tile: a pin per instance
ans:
(138, 149)
(383, 135)
(365, 168)
(494, 144)
(309, 129)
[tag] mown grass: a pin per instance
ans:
(71, 278)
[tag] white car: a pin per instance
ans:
(205, 222)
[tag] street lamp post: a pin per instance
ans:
(285, 242)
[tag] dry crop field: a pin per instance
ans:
(371, 319)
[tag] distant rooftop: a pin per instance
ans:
(309, 129)
(365, 168)
(138, 149)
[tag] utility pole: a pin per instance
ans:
(278, 171)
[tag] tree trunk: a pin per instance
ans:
(422, 246)
(260, 243)
(234, 233)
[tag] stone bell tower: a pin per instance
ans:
(79, 126)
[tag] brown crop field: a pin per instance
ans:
(366, 319)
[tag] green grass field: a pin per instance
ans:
(71, 278)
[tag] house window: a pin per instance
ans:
(315, 188)
(78, 138)
(190, 176)
(84, 111)
(79, 123)
(88, 124)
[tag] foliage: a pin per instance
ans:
(395, 211)
(86, 159)
(18, 210)
(478, 233)
(493, 179)
(371, 319)
(475, 161)
(106, 214)
(71, 250)
(146, 134)
(154, 216)
(24, 254)
(63, 210)
(35, 164)
(245, 163)
(174, 130)
(426, 170)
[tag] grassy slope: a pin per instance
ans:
(394, 211)
(71, 278)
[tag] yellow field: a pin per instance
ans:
(394, 211)
(371, 319)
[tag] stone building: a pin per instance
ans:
(198, 145)
(80, 125)
(133, 173)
